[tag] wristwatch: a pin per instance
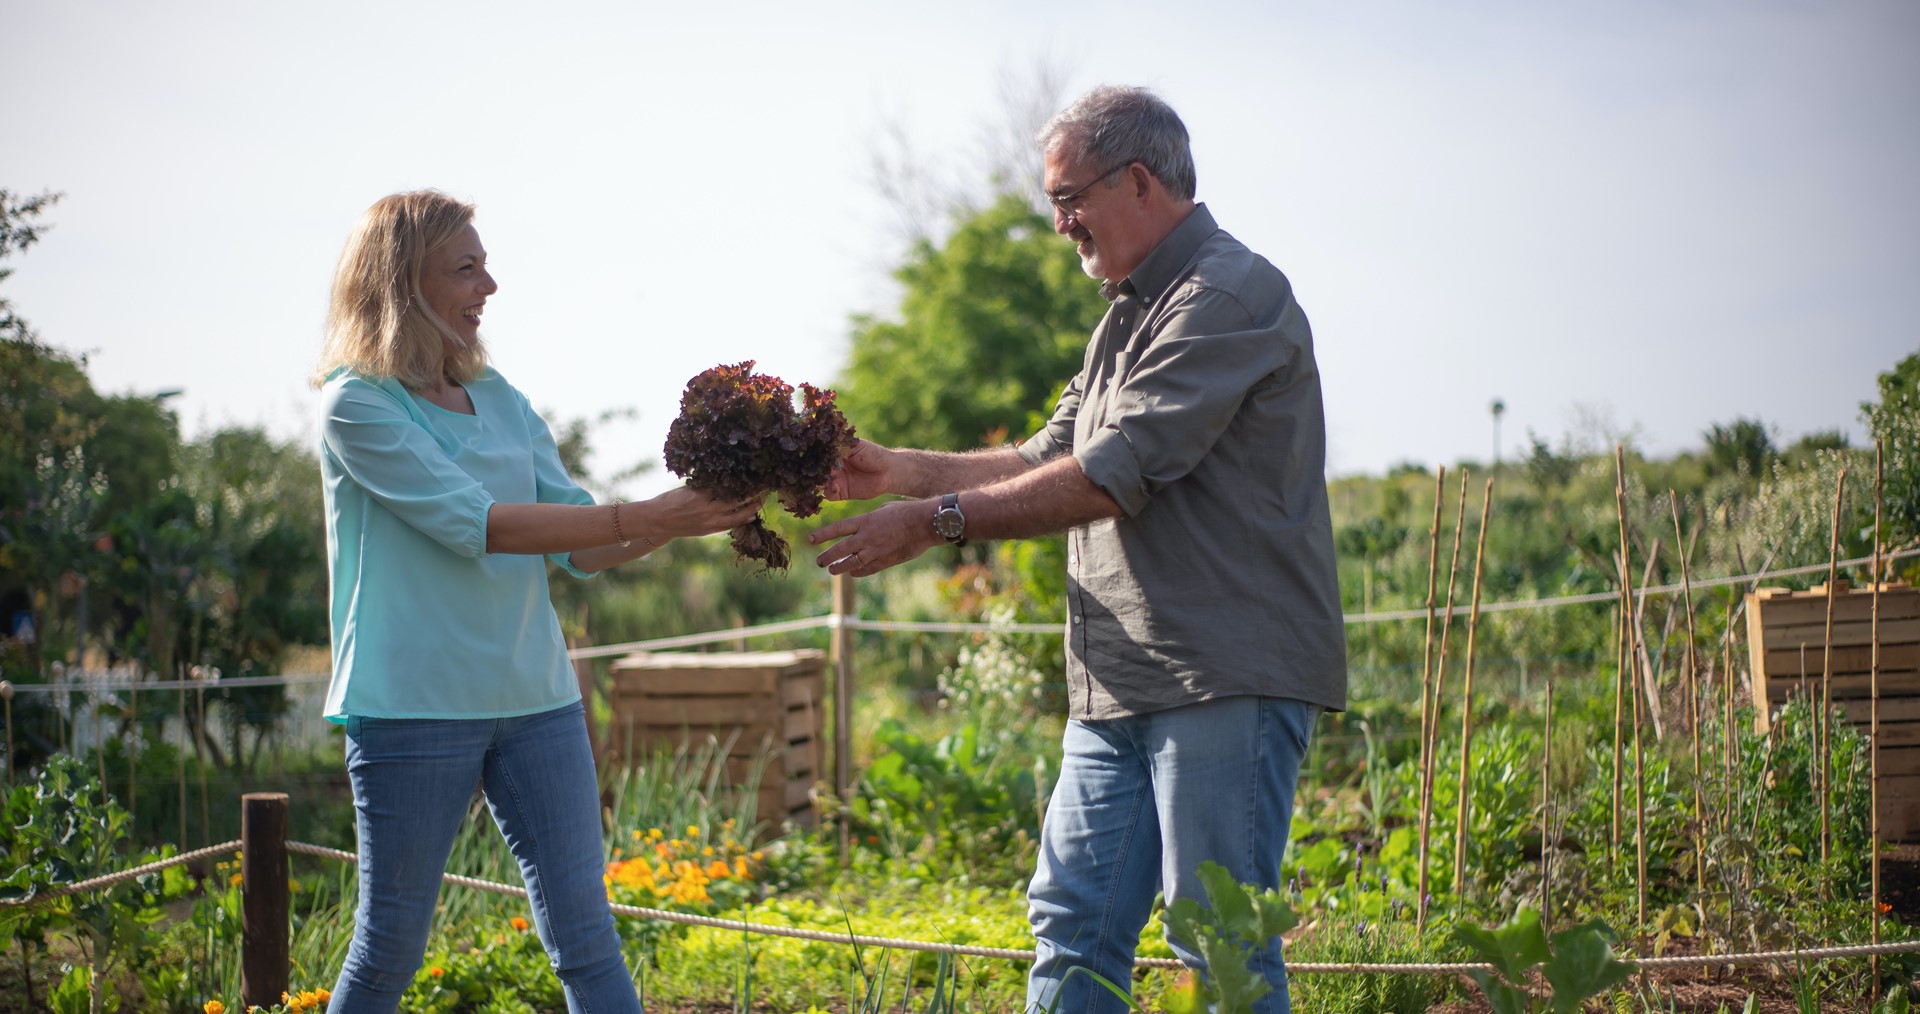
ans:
(948, 522)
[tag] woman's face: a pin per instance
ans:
(454, 284)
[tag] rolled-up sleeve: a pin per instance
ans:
(1056, 437)
(396, 461)
(1207, 353)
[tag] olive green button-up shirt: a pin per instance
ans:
(1198, 409)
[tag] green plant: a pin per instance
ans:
(1228, 932)
(66, 829)
(1577, 963)
(1343, 938)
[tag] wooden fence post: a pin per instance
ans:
(843, 610)
(264, 912)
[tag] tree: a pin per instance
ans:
(1741, 447)
(1895, 422)
(19, 229)
(993, 321)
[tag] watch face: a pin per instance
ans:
(948, 523)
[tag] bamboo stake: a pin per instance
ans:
(1619, 722)
(1646, 681)
(1466, 701)
(1440, 670)
(1826, 675)
(1873, 734)
(1623, 677)
(1546, 816)
(1427, 702)
(1729, 747)
(1633, 674)
(1693, 714)
(1639, 783)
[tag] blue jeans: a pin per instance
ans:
(1141, 803)
(412, 781)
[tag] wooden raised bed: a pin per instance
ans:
(757, 704)
(1787, 642)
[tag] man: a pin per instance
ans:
(1186, 462)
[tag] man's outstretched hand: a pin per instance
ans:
(865, 472)
(870, 543)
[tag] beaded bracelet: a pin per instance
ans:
(618, 535)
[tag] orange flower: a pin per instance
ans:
(518, 923)
(214, 1007)
(436, 971)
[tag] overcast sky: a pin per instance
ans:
(1626, 216)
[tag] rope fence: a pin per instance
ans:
(95, 683)
(969, 950)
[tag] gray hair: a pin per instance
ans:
(1112, 126)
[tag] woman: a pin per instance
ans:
(443, 490)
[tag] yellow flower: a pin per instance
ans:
(214, 1007)
(638, 834)
(518, 923)
(234, 880)
(655, 833)
(708, 851)
(693, 830)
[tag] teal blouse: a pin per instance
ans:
(426, 622)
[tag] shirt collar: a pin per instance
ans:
(1159, 268)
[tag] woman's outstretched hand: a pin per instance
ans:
(681, 511)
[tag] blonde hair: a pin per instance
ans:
(376, 323)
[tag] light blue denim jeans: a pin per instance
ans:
(412, 781)
(1140, 804)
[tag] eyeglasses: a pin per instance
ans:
(1066, 204)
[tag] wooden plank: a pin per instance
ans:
(1757, 657)
(1905, 684)
(1898, 762)
(1897, 734)
(1899, 807)
(1894, 658)
(747, 740)
(1892, 709)
(1896, 604)
(702, 710)
(696, 682)
(802, 689)
(1814, 635)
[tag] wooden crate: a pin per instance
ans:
(1787, 645)
(766, 704)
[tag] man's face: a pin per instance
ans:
(1102, 214)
